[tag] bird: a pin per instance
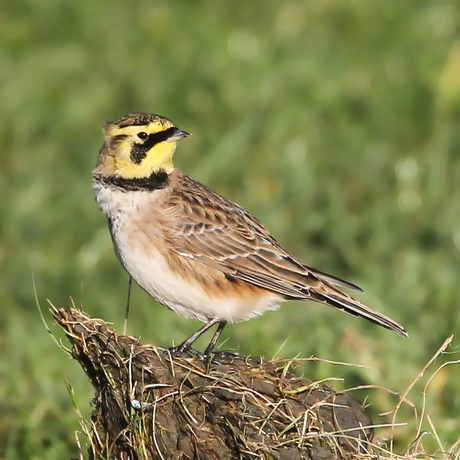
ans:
(193, 250)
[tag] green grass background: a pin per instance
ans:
(337, 123)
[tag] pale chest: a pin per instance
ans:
(136, 220)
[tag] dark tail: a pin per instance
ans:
(337, 299)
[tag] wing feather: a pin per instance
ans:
(220, 234)
(213, 230)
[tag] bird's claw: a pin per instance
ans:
(180, 350)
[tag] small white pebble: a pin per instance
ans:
(138, 405)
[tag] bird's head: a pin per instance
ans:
(138, 145)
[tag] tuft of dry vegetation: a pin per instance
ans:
(149, 405)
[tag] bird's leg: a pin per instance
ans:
(187, 344)
(125, 329)
(215, 338)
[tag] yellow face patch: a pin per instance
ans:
(137, 151)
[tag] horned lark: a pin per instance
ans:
(193, 250)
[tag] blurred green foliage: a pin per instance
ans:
(334, 122)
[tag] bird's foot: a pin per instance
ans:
(216, 358)
(181, 349)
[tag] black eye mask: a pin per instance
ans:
(139, 151)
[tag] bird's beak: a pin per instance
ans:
(178, 135)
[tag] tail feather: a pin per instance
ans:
(356, 308)
(334, 280)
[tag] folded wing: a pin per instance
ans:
(216, 232)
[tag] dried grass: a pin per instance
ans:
(149, 405)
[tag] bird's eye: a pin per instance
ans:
(143, 136)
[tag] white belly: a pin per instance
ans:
(188, 298)
(139, 255)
